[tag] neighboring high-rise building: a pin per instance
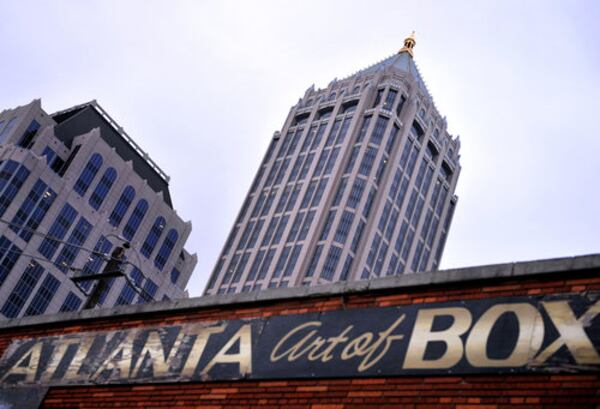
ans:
(73, 187)
(359, 184)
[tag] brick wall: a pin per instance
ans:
(456, 392)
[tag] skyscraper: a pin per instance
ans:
(358, 184)
(73, 187)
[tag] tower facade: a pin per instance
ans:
(74, 186)
(358, 184)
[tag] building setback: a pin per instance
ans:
(358, 184)
(73, 187)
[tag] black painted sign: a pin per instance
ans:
(517, 334)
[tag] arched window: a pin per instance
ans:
(153, 236)
(102, 188)
(165, 250)
(122, 206)
(135, 219)
(88, 174)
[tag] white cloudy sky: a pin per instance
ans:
(202, 86)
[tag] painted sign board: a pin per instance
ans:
(500, 335)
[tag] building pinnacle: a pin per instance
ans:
(409, 43)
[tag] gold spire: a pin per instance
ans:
(409, 43)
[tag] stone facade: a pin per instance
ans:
(358, 184)
(54, 189)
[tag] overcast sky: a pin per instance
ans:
(202, 86)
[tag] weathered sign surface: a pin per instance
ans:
(517, 334)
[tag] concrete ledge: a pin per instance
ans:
(487, 272)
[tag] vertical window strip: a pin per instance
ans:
(153, 237)
(122, 206)
(70, 250)
(102, 188)
(138, 214)
(57, 231)
(166, 249)
(43, 296)
(22, 290)
(88, 174)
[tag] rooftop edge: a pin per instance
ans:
(466, 274)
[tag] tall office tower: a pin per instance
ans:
(74, 187)
(359, 184)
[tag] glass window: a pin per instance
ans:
(150, 289)
(377, 135)
(88, 174)
(307, 142)
(22, 290)
(340, 191)
(327, 225)
(344, 130)
(102, 188)
(12, 185)
(6, 131)
(255, 233)
(306, 225)
(122, 206)
(269, 202)
(280, 229)
(401, 237)
(255, 265)
(71, 303)
(373, 251)
(367, 161)
(306, 166)
(27, 138)
(96, 259)
(308, 194)
(33, 210)
(239, 270)
(279, 267)
(391, 140)
(333, 257)
(400, 105)
(135, 219)
(346, 268)
(282, 171)
(355, 194)
(264, 268)
(333, 132)
(378, 97)
(293, 197)
(43, 296)
(69, 252)
(331, 161)
(369, 202)
(49, 154)
(165, 250)
(390, 99)
(352, 159)
(314, 261)
(175, 274)
(291, 265)
(245, 235)
(318, 136)
(343, 229)
(153, 236)
(319, 193)
(129, 291)
(363, 129)
(9, 255)
(57, 231)
(295, 227)
(270, 230)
